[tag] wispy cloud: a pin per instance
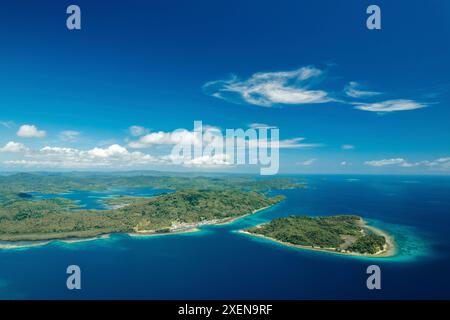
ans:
(299, 87)
(69, 135)
(268, 88)
(296, 143)
(7, 124)
(137, 131)
(259, 125)
(30, 131)
(352, 90)
(440, 163)
(347, 147)
(385, 162)
(390, 105)
(306, 162)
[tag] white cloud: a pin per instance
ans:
(268, 88)
(165, 138)
(259, 125)
(296, 143)
(114, 156)
(348, 147)
(298, 87)
(306, 162)
(117, 156)
(344, 163)
(440, 163)
(30, 131)
(183, 136)
(14, 147)
(390, 105)
(385, 162)
(60, 157)
(58, 150)
(351, 90)
(69, 135)
(137, 131)
(205, 161)
(114, 150)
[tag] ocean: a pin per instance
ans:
(220, 263)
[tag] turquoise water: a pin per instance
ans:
(219, 262)
(94, 199)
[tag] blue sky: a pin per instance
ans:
(311, 68)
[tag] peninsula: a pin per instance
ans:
(172, 212)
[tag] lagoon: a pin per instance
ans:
(93, 200)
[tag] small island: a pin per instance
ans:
(344, 234)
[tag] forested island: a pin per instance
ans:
(346, 234)
(193, 201)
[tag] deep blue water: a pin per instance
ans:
(220, 263)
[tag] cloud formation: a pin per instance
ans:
(306, 162)
(385, 162)
(69, 135)
(268, 88)
(210, 140)
(204, 161)
(390, 105)
(30, 131)
(440, 163)
(257, 125)
(60, 157)
(209, 135)
(347, 147)
(352, 90)
(299, 87)
(137, 131)
(14, 147)
(113, 156)
(165, 138)
(7, 124)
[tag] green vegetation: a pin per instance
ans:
(122, 201)
(53, 183)
(370, 243)
(22, 217)
(343, 233)
(25, 218)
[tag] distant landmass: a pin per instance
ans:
(188, 202)
(346, 234)
(192, 202)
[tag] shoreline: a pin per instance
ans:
(193, 227)
(390, 249)
(22, 244)
(231, 220)
(154, 233)
(188, 228)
